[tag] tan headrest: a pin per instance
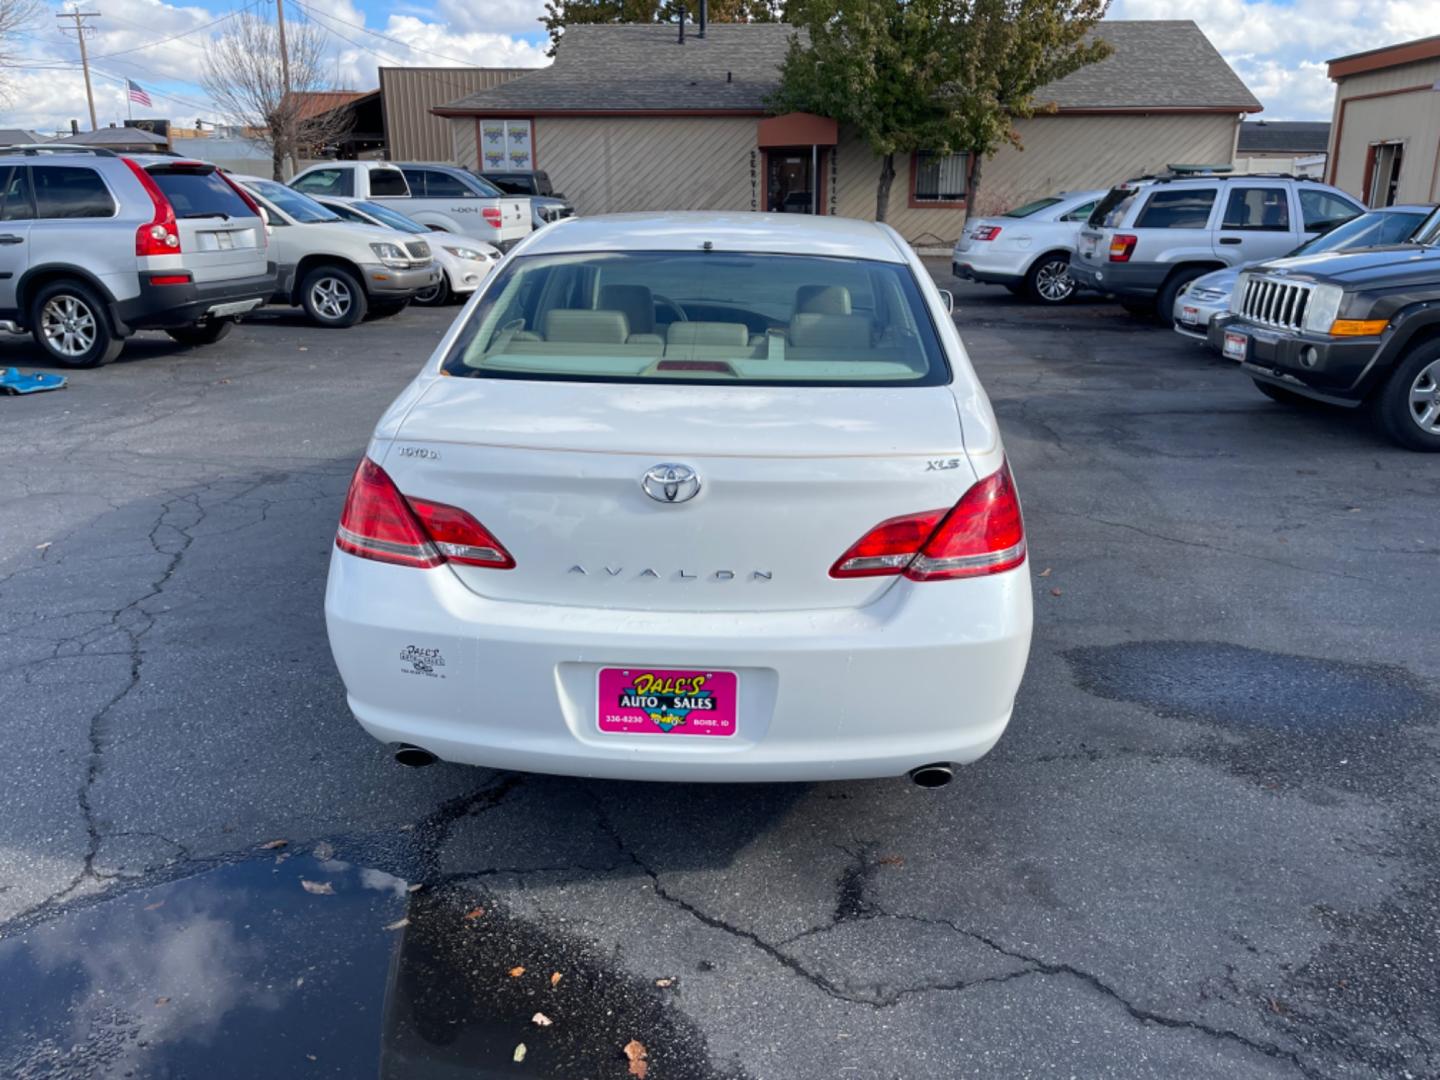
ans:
(845, 333)
(708, 333)
(578, 324)
(822, 300)
(636, 301)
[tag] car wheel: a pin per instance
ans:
(436, 296)
(1049, 281)
(202, 333)
(1165, 299)
(69, 322)
(1408, 405)
(1279, 393)
(333, 297)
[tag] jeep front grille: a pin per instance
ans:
(1275, 302)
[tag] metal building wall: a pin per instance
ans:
(1397, 104)
(412, 132)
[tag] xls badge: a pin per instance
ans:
(422, 661)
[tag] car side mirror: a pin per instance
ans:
(948, 299)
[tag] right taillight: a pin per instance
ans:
(380, 523)
(982, 534)
(1122, 246)
(986, 232)
(491, 214)
(160, 235)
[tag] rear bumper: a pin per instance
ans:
(927, 673)
(161, 306)
(984, 263)
(1133, 279)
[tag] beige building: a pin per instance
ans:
(1385, 131)
(629, 117)
(1286, 146)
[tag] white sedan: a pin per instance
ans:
(465, 260)
(1027, 249)
(692, 497)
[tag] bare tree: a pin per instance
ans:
(15, 15)
(244, 77)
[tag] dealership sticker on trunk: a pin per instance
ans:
(661, 701)
(1235, 345)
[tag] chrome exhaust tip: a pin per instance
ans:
(932, 776)
(413, 757)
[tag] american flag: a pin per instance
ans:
(138, 94)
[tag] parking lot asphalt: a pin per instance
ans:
(1207, 846)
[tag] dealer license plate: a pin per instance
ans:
(1235, 345)
(666, 701)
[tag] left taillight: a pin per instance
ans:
(986, 232)
(491, 214)
(983, 533)
(380, 523)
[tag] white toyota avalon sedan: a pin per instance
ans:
(698, 497)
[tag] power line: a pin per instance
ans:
(184, 33)
(365, 29)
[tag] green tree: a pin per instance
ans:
(562, 13)
(949, 76)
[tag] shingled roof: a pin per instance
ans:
(613, 68)
(1284, 137)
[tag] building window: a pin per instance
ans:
(939, 179)
(506, 146)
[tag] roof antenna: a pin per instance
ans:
(682, 24)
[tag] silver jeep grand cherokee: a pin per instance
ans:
(95, 246)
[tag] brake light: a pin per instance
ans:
(380, 523)
(1122, 246)
(160, 235)
(986, 232)
(983, 533)
(491, 214)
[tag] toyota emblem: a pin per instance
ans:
(671, 483)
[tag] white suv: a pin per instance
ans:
(1148, 238)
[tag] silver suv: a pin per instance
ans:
(1150, 237)
(95, 246)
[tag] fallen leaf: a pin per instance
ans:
(890, 860)
(317, 888)
(281, 857)
(323, 851)
(541, 1020)
(162, 1001)
(664, 984)
(520, 1053)
(155, 906)
(1045, 572)
(398, 924)
(273, 844)
(555, 979)
(416, 887)
(636, 1053)
(1056, 592)
(516, 972)
(475, 913)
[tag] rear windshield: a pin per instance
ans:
(1031, 208)
(710, 317)
(1110, 211)
(196, 193)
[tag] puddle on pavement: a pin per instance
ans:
(242, 971)
(1249, 688)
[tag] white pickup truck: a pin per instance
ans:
(442, 197)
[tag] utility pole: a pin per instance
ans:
(80, 28)
(284, 52)
(285, 134)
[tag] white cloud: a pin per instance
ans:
(1280, 48)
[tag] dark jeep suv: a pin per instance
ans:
(1354, 328)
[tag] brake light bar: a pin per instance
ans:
(1122, 246)
(381, 524)
(984, 533)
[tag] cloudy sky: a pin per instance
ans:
(1278, 46)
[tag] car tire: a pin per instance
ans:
(206, 332)
(1048, 281)
(1279, 393)
(333, 297)
(438, 295)
(1407, 406)
(70, 323)
(1170, 291)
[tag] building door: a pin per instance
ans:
(1384, 179)
(790, 180)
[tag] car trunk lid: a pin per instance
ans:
(220, 236)
(788, 477)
